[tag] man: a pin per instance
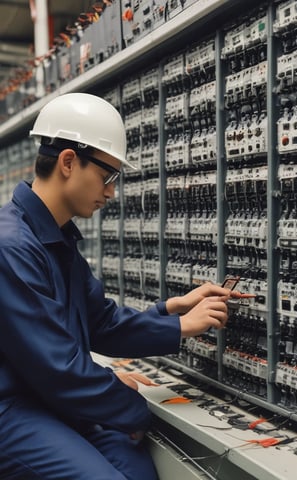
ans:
(62, 416)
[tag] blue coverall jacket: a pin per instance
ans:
(53, 313)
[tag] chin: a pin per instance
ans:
(85, 214)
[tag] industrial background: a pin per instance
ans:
(208, 93)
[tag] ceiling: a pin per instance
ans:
(17, 28)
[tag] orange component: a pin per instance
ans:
(266, 442)
(66, 39)
(128, 15)
(252, 425)
(176, 400)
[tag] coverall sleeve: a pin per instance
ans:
(130, 333)
(48, 361)
(127, 332)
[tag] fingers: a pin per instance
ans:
(217, 311)
(210, 312)
(142, 379)
(127, 380)
(210, 289)
(185, 303)
(236, 294)
(217, 319)
(220, 301)
(131, 379)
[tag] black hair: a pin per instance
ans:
(44, 166)
(49, 151)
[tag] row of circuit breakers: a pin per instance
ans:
(187, 209)
(95, 36)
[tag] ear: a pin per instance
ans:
(66, 161)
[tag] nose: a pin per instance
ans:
(109, 191)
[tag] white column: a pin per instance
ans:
(41, 40)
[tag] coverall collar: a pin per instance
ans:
(40, 218)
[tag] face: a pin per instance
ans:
(85, 189)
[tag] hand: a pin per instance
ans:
(185, 303)
(131, 378)
(238, 295)
(138, 436)
(209, 312)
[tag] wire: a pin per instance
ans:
(192, 460)
(212, 426)
(229, 402)
(264, 442)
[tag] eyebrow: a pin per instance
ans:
(54, 150)
(99, 163)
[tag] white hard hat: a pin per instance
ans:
(85, 119)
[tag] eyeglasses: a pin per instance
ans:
(113, 172)
(55, 150)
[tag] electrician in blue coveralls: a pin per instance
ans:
(62, 416)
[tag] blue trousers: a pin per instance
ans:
(34, 444)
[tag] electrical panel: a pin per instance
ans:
(140, 17)
(110, 227)
(16, 162)
(285, 28)
(132, 256)
(191, 200)
(150, 185)
(105, 29)
(244, 56)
